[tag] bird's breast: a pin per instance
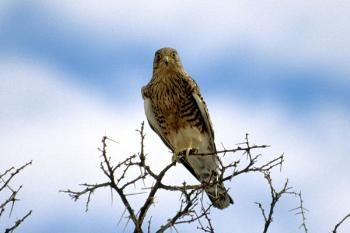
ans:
(170, 95)
(174, 104)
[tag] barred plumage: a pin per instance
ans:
(177, 112)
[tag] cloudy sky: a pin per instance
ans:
(71, 71)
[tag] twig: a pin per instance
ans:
(6, 178)
(335, 230)
(192, 208)
(149, 225)
(89, 190)
(234, 150)
(275, 196)
(301, 211)
(18, 222)
(13, 174)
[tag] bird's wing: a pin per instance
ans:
(156, 128)
(203, 109)
(154, 123)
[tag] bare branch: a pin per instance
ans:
(12, 175)
(89, 190)
(149, 225)
(275, 197)
(8, 204)
(209, 227)
(109, 171)
(191, 207)
(18, 222)
(234, 150)
(301, 210)
(335, 230)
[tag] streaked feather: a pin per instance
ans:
(177, 112)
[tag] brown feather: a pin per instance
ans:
(176, 111)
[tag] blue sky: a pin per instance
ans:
(72, 71)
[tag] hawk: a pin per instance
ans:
(176, 111)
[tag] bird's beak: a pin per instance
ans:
(166, 60)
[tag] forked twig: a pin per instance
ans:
(8, 204)
(192, 208)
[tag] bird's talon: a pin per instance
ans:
(194, 150)
(185, 153)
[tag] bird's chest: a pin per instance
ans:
(169, 97)
(170, 108)
(168, 104)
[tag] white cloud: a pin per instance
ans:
(301, 32)
(59, 126)
(315, 148)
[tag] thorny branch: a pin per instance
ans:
(18, 222)
(275, 197)
(192, 207)
(208, 227)
(11, 198)
(301, 210)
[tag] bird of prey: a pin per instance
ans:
(177, 112)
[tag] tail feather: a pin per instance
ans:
(205, 169)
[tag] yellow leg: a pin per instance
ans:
(186, 152)
(175, 156)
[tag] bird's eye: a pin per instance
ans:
(173, 54)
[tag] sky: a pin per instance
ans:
(72, 71)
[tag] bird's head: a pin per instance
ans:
(166, 59)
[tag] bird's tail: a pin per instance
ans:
(218, 196)
(215, 190)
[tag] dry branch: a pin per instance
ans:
(301, 210)
(11, 198)
(192, 207)
(335, 230)
(18, 222)
(275, 197)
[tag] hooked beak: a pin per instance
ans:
(166, 60)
